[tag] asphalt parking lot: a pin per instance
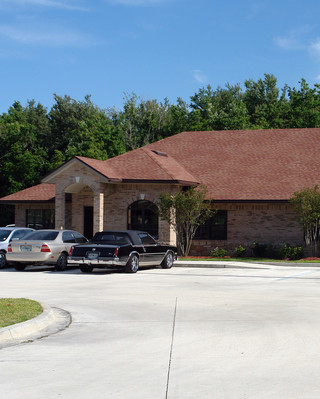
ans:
(223, 333)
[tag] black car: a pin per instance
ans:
(128, 249)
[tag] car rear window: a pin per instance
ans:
(43, 235)
(112, 238)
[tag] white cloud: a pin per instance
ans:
(315, 47)
(54, 38)
(199, 76)
(67, 5)
(289, 43)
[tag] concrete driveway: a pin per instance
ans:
(222, 333)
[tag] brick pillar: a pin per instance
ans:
(60, 210)
(98, 204)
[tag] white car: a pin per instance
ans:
(46, 247)
(7, 235)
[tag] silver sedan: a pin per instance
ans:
(48, 247)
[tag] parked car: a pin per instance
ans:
(44, 247)
(8, 234)
(129, 249)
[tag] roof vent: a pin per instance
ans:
(163, 154)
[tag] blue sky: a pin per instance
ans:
(155, 48)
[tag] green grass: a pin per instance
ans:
(248, 259)
(17, 310)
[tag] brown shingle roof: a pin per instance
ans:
(234, 165)
(251, 164)
(41, 193)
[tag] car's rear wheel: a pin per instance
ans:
(86, 268)
(167, 262)
(3, 260)
(132, 265)
(62, 263)
(20, 267)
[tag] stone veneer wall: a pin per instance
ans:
(265, 223)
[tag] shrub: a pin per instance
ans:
(289, 252)
(285, 251)
(264, 250)
(297, 253)
(240, 251)
(219, 252)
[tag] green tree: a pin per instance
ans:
(23, 160)
(185, 212)
(306, 204)
(220, 109)
(81, 128)
(304, 106)
(142, 121)
(266, 105)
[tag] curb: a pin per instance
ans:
(50, 321)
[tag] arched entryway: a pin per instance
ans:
(143, 215)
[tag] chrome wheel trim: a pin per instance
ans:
(134, 263)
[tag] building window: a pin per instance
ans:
(40, 218)
(214, 228)
(143, 215)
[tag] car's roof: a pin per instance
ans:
(15, 228)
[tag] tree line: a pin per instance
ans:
(35, 140)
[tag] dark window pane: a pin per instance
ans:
(146, 239)
(143, 215)
(214, 228)
(67, 236)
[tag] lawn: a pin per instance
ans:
(228, 259)
(17, 310)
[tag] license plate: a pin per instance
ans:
(92, 255)
(26, 248)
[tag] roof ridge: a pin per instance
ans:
(158, 163)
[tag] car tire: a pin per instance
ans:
(132, 265)
(86, 268)
(3, 260)
(62, 263)
(20, 267)
(167, 262)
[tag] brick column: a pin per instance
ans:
(60, 210)
(98, 205)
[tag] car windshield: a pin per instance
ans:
(4, 234)
(111, 238)
(42, 235)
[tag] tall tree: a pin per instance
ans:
(142, 121)
(304, 106)
(220, 109)
(265, 103)
(81, 128)
(23, 160)
(306, 203)
(185, 212)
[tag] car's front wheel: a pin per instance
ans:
(3, 260)
(62, 263)
(132, 265)
(86, 268)
(167, 262)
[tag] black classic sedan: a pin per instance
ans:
(129, 249)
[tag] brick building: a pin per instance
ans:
(250, 176)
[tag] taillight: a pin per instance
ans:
(9, 248)
(45, 248)
(71, 250)
(115, 252)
